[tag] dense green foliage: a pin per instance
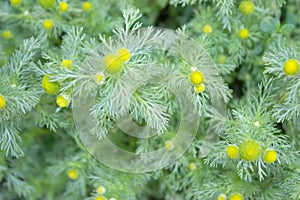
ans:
(44, 45)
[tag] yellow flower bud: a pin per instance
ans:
(50, 87)
(270, 156)
(47, 4)
(67, 64)
(101, 190)
(6, 34)
(63, 100)
(196, 78)
(100, 198)
(243, 33)
(2, 102)
(232, 151)
(72, 174)
(48, 24)
(192, 166)
(99, 78)
(199, 88)
(169, 145)
(236, 196)
(207, 29)
(291, 67)
(15, 2)
(222, 197)
(87, 6)
(63, 6)
(247, 7)
(123, 54)
(113, 64)
(250, 150)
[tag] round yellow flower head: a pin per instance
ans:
(250, 150)
(63, 6)
(101, 190)
(2, 102)
(243, 33)
(48, 24)
(192, 166)
(270, 156)
(291, 67)
(232, 151)
(47, 4)
(50, 87)
(199, 88)
(87, 6)
(169, 145)
(196, 78)
(99, 78)
(207, 29)
(63, 100)
(113, 64)
(6, 34)
(67, 64)
(15, 2)
(236, 196)
(247, 7)
(72, 174)
(100, 198)
(222, 197)
(123, 54)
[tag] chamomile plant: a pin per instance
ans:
(58, 57)
(251, 142)
(136, 52)
(18, 95)
(283, 63)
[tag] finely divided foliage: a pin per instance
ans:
(52, 52)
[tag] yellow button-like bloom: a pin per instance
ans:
(47, 4)
(72, 174)
(2, 102)
(291, 67)
(232, 151)
(99, 78)
(62, 101)
(199, 88)
(196, 78)
(6, 34)
(101, 190)
(250, 150)
(236, 196)
(67, 64)
(15, 2)
(222, 197)
(63, 6)
(113, 64)
(87, 6)
(207, 29)
(192, 166)
(50, 87)
(270, 156)
(48, 24)
(243, 33)
(100, 198)
(169, 145)
(123, 54)
(247, 7)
